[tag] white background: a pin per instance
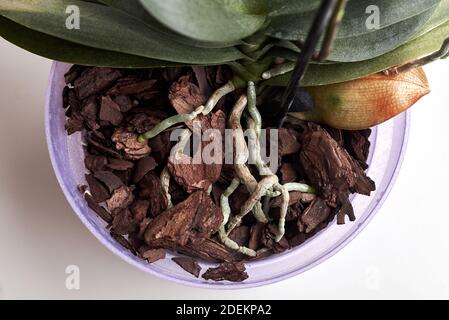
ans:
(402, 253)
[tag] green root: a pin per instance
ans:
(216, 96)
(165, 174)
(241, 169)
(293, 186)
(252, 109)
(261, 166)
(278, 70)
(182, 118)
(169, 122)
(284, 209)
(226, 210)
(262, 187)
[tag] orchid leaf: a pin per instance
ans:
(321, 74)
(63, 50)
(136, 9)
(211, 20)
(279, 8)
(400, 20)
(107, 28)
(439, 17)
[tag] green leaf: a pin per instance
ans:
(62, 50)
(280, 51)
(440, 16)
(374, 44)
(400, 21)
(107, 28)
(136, 9)
(339, 72)
(278, 8)
(211, 20)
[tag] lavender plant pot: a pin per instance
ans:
(388, 142)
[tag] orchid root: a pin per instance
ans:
(182, 118)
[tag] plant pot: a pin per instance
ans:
(388, 142)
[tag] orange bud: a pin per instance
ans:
(366, 102)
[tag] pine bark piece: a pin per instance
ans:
(201, 176)
(288, 142)
(268, 239)
(139, 210)
(96, 145)
(95, 163)
(123, 242)
(121, 198)
(123, 222)
(110, 111)
(70, 99)
(143, 166)
(127, 141)
(346, 209)
(209, 250)
(295, 197)
(194, 177)
(124, 175)
(89, 110)
(238, 198)
(240, 235)
(357, 143)
(293, 212)
(142, 122)
(133, 88)
(188, 264)
(95, 80)
(73, 125)
(337, 135)
(235, 272)
(111, 181)
(288, 173)
(185, 96)
(197, 216)
(329, 167)
(255, 240)
(151, 190)
(161, 146)
(119, 164)
(124, 102)
(153, 255)
(294, 209)
(297, 240)
(99, 210)
(316, 213)
(97, 189)
(73, 73)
